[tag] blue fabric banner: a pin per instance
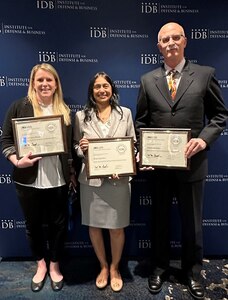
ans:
(119, 37)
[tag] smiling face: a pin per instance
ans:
(171, 43)
(44, 84)
(102, 91)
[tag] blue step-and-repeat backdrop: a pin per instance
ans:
(83, 37)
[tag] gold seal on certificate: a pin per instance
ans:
(40, 135)
(108, 156)
(164, 147)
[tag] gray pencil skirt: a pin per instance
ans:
(106, 206)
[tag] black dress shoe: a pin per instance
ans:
(195, 289)
(155, 284)
(57, 286)
(36, 287)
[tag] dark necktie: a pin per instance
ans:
(172, 84)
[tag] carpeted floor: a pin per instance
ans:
(80, 274)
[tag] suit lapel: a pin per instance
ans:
(185, 82)
(115, 122)
(162, 85)
(95, 126)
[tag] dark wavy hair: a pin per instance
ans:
(91, 104)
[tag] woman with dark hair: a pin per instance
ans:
(105, 202)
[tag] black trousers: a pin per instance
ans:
(45, 212)
(189, 196)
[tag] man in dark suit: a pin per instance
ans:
(198, 105)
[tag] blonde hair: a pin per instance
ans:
(59, 105)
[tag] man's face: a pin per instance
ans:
(172, 42)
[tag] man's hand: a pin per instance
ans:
(150, 168)
(194, 146)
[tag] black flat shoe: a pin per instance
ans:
(57, 286)
(155, 284)
(195, 289)
(36, 287)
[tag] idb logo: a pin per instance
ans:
(5, 179)
(145, 201)
(2, 81)
(149, 59)
(148, 8)
(144, 244)
(97, 32)
(45, 56)
(197, 34)
(7, 224)
(45, 4)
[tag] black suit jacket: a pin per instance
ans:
(20, 109)
(198, 105)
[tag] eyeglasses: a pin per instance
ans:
(174, 37)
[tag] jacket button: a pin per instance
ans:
(173, 113)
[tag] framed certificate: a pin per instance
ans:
(108, 156)
(164, 147)
(42, 136)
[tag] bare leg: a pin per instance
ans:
(97, 240)
(55, 273)
(40, 272)
(117, 238)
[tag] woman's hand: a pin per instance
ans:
(83, 144)
(73, 180)
(24, 162)
(114, 176)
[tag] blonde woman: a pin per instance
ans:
(42, 182)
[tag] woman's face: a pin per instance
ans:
(102, 90)
(44, 84)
